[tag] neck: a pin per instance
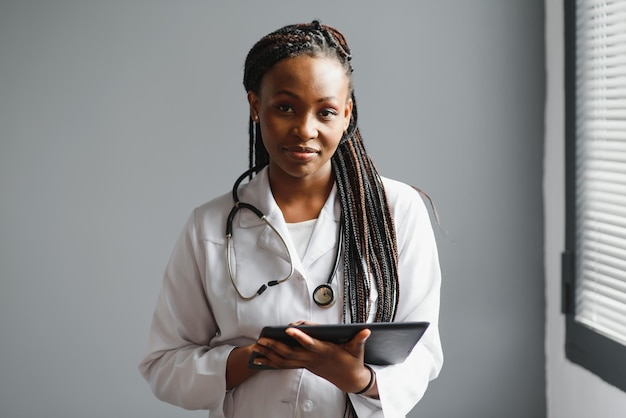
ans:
(301, 199)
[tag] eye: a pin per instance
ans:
(328, 114)
(285, 108)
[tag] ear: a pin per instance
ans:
(348, 113)
(255, 105)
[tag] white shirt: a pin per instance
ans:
(199, 318)
(300, 233)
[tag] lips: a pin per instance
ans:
(301, 153)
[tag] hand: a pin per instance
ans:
(340, 364)
(237, 369)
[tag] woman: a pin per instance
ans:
(315, 236)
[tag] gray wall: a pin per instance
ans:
(118, 117)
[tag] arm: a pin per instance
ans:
(180, 366)
(420, 281)
(237, 370)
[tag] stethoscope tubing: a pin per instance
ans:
(237, 206)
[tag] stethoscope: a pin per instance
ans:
(323, 295)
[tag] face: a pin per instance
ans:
(303, 107)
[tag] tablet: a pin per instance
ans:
(389, 342)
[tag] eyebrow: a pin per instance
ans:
(295, 96)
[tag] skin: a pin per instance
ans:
(303, 107)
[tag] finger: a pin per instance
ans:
(305, 340)
(356, 345)
(268, 347)
(362, 336)
(277, 351)
(295, 324)
(279, 356)
(273, 361)
(274, 344)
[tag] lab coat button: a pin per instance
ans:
(307, 405)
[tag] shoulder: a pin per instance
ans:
(409, 210)
(209, 219)
(411, 217)
(402, 197)
(210, 208)
(395, 187)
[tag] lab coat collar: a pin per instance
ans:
(258, 193)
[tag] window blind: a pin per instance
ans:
(601, 167)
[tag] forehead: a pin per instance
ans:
(306, 75)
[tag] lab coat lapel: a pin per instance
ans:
(258, 193)
(324, 238)
(271, 240)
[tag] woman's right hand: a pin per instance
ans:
(237, 369)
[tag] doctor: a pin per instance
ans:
(316, 235)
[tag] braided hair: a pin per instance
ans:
(369, 244)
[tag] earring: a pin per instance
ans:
(255, 118)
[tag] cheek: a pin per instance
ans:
(334, 133)
(272, 124)
(333, 144)
(268, 129)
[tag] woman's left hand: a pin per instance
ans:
(340, 364)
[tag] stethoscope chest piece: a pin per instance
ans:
(324, 296)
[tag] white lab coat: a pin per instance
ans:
(199, 318)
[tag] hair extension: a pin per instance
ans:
(369, 245)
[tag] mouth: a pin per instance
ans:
(301, 153)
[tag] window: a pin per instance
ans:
(594, 261)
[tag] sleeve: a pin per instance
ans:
(401, 386)
(179, 365)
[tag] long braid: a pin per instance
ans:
(369, 245)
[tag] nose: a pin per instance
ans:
(305, 127)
